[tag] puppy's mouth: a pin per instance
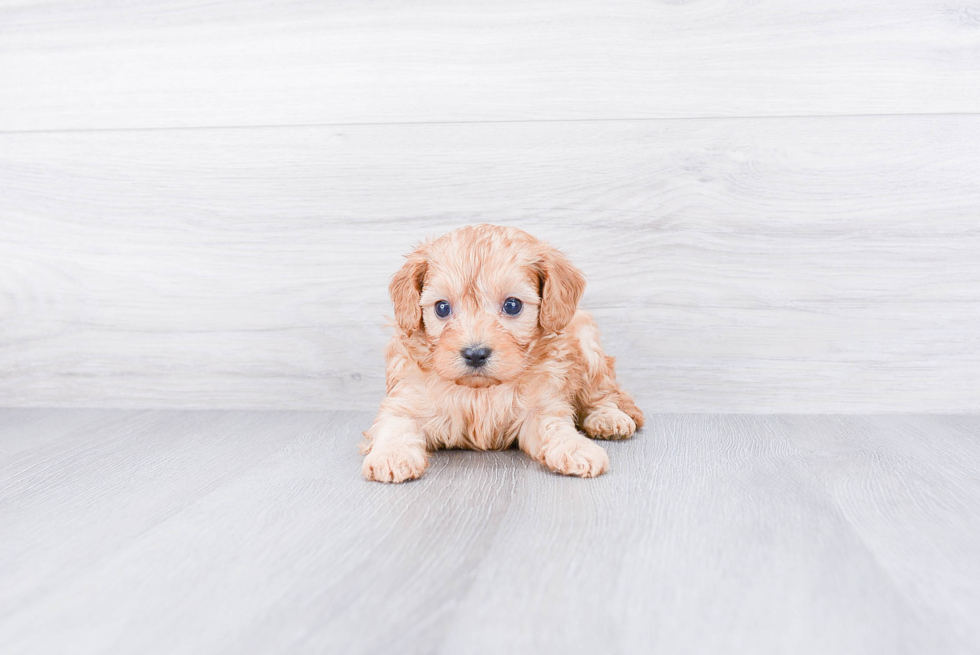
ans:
(476, 380)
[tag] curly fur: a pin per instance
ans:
(546, 377)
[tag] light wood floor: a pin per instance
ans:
(252, 532)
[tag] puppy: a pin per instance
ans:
(490, 349)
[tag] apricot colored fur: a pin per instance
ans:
(546, 378)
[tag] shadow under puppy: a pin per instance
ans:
(490, 348)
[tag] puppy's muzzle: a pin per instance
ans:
(476, 357)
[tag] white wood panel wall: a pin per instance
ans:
(165, 63)
(200, 205)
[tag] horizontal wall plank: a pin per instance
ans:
(806, 264)
(169, 63)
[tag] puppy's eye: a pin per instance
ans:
(513, 306)
(443, 309)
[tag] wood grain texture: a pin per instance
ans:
(250, 532)
(746, 265)
(172, 63)
(922, 511)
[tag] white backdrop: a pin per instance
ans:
(777, 207)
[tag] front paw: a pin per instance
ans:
(575, 455)
(394, 464)
(606, 422)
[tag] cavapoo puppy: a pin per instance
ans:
(491, 349)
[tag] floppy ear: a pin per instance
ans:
(561, 286)
(405, 290)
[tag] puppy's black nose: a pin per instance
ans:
(476, 357)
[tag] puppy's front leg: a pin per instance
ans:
(554, 441)
(395, 449)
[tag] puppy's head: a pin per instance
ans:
(482, 296)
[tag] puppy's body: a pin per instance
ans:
(545, 372)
